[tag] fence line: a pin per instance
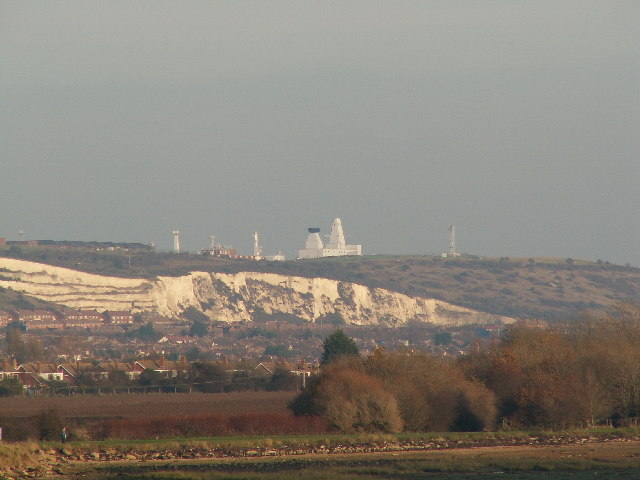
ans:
(142, 389)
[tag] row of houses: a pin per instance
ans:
(39, 374)
(43, 319)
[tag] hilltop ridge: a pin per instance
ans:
(234, 297)
(519, 288)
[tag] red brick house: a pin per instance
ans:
(70, 371)
(115, 317)
(8, 370)
(36, 316)
(106, 369)
(39, 319)
(167, 368)
(44, 371)
(82, 319)
(6, 318)
(177, 340)
(297, 368)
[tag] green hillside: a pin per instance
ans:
(522, 288)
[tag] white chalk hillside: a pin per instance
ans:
(232, 297)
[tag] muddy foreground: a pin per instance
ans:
(549, 456)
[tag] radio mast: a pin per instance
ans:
(452, 242)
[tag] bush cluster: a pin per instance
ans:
(581, 376)
(46, 425)
(585, 375)
(391, 392)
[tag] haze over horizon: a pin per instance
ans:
(515, 121)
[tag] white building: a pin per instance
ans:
(337, 247)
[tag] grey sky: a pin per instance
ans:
(517, 121)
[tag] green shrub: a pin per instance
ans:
(10, 387)
(49, 424)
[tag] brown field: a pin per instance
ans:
(149, 405)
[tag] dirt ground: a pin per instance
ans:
(608, 460)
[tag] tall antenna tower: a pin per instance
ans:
(452, 242)
(21, 233)
(257, 249)
(176, 241)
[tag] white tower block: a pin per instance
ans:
(176, 241)
(257, 249)
(336, 239)
(314, 242)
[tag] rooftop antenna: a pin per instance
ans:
(257, 249)
(212, 240)
(452, 241)
(176, 241)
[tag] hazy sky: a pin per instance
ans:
(516, 121)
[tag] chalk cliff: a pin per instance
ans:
(232, 297)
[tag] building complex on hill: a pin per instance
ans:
(337, 246)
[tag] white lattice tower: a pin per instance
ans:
(452, 241)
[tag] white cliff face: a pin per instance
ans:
(232, 297)
(76, 289)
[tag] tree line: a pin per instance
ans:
(580, 375)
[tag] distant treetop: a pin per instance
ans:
(336, 345)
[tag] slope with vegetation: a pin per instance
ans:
(234, 297)
(12, 301)
(520, 288)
